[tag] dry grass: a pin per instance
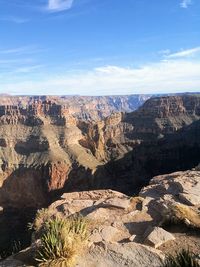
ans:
(181, 259)
(180, 213)
(41, 217)
(62, 241)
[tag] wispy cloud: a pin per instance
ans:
(59, 5)
(28, 69)
(13, 19)
(184, 53)
(12, 62)
(185, 3)
(21, 50)
(169, 76)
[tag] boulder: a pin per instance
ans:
(157, 236)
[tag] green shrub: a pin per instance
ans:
(61, 241)
(181, 259)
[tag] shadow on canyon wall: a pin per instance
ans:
(176, 152)
(20, 195)
(14, 232)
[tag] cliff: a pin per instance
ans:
(82, 107)
(44, 149)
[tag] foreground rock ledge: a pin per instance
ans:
(125, 230)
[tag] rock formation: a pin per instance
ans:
(126, 230)
(45, 149)
(82, 107)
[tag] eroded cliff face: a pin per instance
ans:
(91, 108)
(160, 137)
(158, 118)
(39, 149)
(45, 150)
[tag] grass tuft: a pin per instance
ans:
(181, 259)
(179, 213)
(61, 241)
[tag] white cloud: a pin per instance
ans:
(164, 76)
(59, 5)
(185, 3)
(185, 53)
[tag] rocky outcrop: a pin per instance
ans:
(101, 255)
(124, 229)
(110, 215)
(182, 187)
(119, 255)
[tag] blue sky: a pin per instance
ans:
(99, 47)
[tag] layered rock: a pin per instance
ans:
(157, 118)
(39, 145)
(82, 107)
(42, 144)
(161, 137)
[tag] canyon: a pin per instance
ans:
(55, 145)
(46, 150)
(82, 107)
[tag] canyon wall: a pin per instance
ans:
(46, 150)
(82, 107)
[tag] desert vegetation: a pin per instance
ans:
(61, 239)
(183, 258)
(179, 213)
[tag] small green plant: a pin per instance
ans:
(61, 241)
(182, 259)
(79, 226)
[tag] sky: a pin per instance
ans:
(99, 47)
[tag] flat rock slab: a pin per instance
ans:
(109, 233)
(117, 203)
(121, 255)
(99, 214)
(157, 236)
